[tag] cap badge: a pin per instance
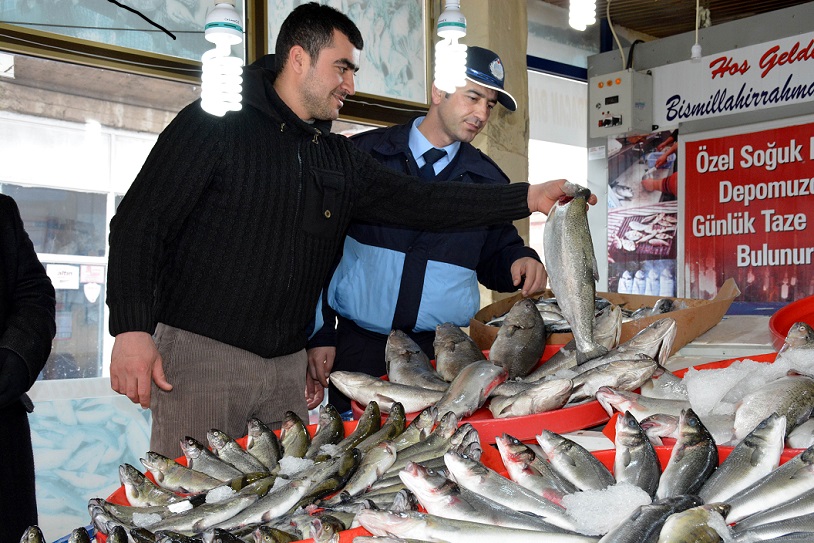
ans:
(497, 69)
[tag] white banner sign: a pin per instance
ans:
(751, 78)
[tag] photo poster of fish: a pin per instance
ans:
(643, 213)
(748, 209)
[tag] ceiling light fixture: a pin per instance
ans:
(450, 56)
(695, 52)
(221, 81)
(581, 14)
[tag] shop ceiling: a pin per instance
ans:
(663, 18)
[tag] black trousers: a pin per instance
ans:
(361, 350)
(18, 500)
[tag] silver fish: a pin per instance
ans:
(520, 342)
(230, 451)
(365, 389)
(754, 457)
(434, 528)
(799, 336)
(391, 429)
(171, 475)
(791, 396)
(447, 499)
(659, 425)
(263, 443)
(373, 465)
(205, 516)
(202, 459)
(646, 522)
(286, 497)
(330, 430)
(418, 429)
(656, 341)
(574, 462)
(454, 350)
(700, 524)
(635, 461)
(368, 424)
(408, 365)
(476, 477)
(543, 396)
(692, 460)
(665, 385)
(641, 407)
(471, 388)
(801, 437)
(803, 504)
(436, 444)
(79, 535)
(793, 525)
(141, 491)
(125, 513)
(117, 535)
(294, 437)
(785, 483)
(626, 374)
(32, 534)
(572, 268)
(607, 329)
(537, 475)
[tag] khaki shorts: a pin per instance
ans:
(219, 386)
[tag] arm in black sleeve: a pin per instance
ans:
(29, 326)
(386, 196)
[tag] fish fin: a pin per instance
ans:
(596, 352)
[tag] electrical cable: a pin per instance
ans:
(630, 54)
(140, 14)
(615, 37)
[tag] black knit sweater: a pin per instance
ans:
(233, 223)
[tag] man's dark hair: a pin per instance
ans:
(311, 26)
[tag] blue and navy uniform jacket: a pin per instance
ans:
(391, 277)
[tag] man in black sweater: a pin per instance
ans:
(27, 326)
(222, 244)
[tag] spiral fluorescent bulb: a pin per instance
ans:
(221, 81)
(581, 14)
(450, 55)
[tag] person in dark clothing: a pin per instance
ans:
(226, 237)
(27, 326)
(421, 279)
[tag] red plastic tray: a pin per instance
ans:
(780, 323)
(564, 420)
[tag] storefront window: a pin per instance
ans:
(62, 221)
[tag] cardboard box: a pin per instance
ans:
(697, 318)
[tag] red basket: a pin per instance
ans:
(781, 322)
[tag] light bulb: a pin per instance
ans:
(221, 81)
(581, 14)
(695, 53)
(450, 55)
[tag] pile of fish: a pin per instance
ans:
(730, 400)
(463, 379)
(747, 497)
(289, 488)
